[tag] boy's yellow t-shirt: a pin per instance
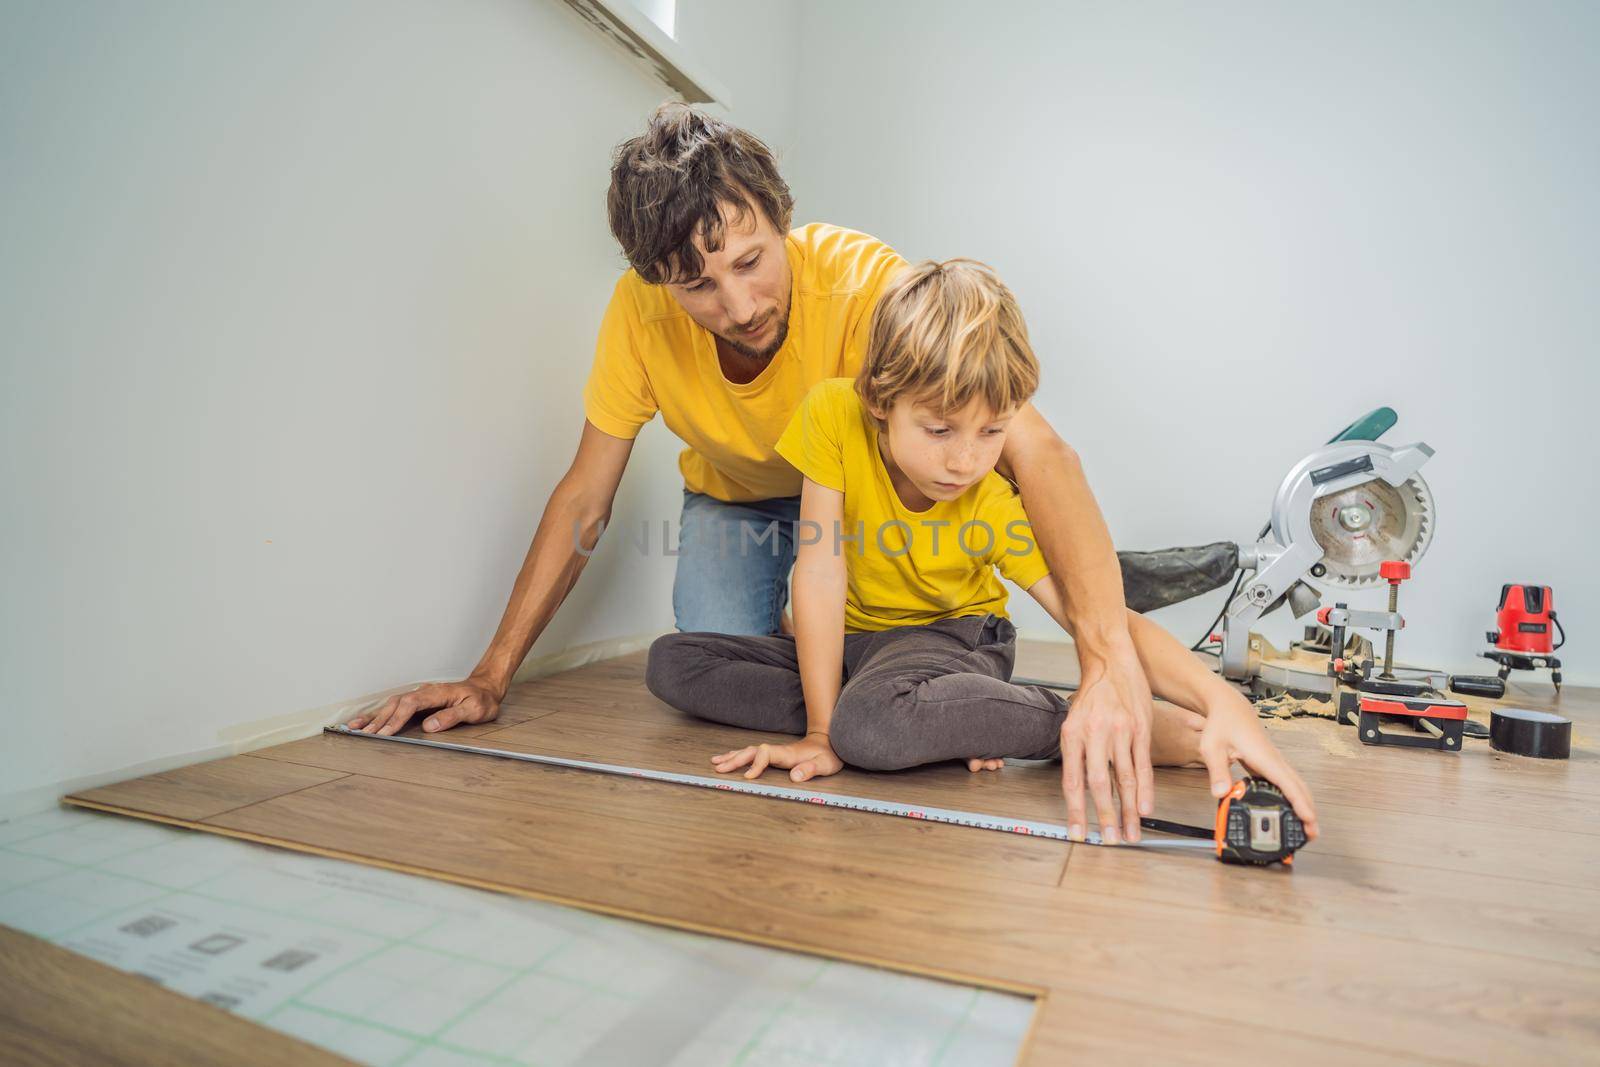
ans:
(651, 356)
(906, 568)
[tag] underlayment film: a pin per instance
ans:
(391, 968)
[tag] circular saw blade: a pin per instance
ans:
(1361, 527)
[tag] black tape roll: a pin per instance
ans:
(1530, 733)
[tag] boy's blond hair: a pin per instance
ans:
(944, 334)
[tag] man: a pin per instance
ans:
(724, 322)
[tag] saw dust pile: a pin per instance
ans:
(1298, 713)
(1284, 706)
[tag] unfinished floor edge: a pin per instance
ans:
(998, 985)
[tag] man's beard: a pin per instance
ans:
(762, 355)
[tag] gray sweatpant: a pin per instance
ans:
(910, 695)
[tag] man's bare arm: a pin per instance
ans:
(1110, 722)
(1071, 533)
(573, 518)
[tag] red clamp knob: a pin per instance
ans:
(1322, 615)
(1395, 570)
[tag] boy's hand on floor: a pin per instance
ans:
(976, 765)
(1234, 732)
(811, 757)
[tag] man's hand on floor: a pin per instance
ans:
(470, 700)
(811, 757)
(1108, 730)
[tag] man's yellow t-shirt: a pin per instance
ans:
(904, 567)
(651, 356)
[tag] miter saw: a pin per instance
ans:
(1338, 516)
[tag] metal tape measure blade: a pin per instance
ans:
(950, 816)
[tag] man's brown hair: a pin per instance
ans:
(667, 185)
(944, 334)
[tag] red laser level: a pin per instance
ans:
(1526, 617)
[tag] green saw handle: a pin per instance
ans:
(1369, 427)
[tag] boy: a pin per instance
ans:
(905, 523)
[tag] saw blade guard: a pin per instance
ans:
(1356, 504)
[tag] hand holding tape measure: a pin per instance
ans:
(1255, 825)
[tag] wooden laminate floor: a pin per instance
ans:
(1450, 912)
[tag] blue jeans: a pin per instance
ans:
(733, 564)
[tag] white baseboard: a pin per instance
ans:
(247, 737)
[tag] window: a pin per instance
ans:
(660, 12)
(643, 29)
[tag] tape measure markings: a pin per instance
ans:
(950, 816)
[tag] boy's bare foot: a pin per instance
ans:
(976, 765)
(1175, 735)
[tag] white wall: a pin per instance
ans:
(752, 48)
(297, 302)
(1235, 227)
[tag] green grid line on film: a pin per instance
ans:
(777, 1013)
(955, 1028)
(435, 1039)
(55, 829)
(388, 943)
(421, 1042)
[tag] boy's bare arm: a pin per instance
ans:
(1232, 731)
(1112, 712)
(819, 592)
(575, 513)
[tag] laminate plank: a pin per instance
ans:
(1559, 923)
(1477, 781)
(590, 795)
(669, 741)
(1476, 785)
(1510, 849)
(1464, 1004)
(206, 789)
(1089, 1029)
(59, 1009)
(676, 743)
(620, 866)
(1491, 912)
